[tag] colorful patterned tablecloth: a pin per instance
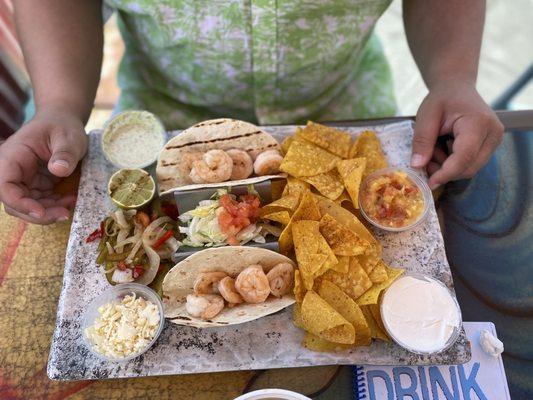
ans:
(31, 274)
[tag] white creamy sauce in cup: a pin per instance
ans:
(133, 139)
(420, 314)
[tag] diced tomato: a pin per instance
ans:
(229, 204)
(237, 215)
(251, 199)
(122, 265)
(396, 185)
(138, 271)
(232, 241)
(411, 189)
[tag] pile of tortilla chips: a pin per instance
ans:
(331, 162)
(340, 273)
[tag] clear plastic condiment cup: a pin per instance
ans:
(114, 295)
(148, 120)
(419, 182)
(456, 331)
(272, 394)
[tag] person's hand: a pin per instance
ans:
(454, 108)
(34, 159)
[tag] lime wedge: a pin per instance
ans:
(131, 188)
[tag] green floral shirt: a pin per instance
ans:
(264, 61)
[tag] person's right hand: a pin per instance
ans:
(34, 159)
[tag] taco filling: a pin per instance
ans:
(225, 219)
(228, 285)
(215, 290)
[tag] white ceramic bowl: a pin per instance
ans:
(413, 175)
(272, 394)
(116, 294)
(456, 331)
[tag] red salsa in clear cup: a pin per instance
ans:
(394, 198)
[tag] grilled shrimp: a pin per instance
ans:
(280, 279)
(204, 306)
(268, 162)
(226, 288)
(187, 160)
(215, 166)
(243, 166)
(252, 284)
(207, 282)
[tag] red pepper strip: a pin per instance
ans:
(138, 271)
(162, 240)
(97, 234)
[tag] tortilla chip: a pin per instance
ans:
(351, 171)
(297, 316)
(277, 186)
(286, 144)
(371, 296)
(306, 159)
(375, 310)
(354, 283)
(331, 260)
(378, 273)
(285, 240)
(375, 331)
(315, 343)
(370, 259)
(368, 145)
(286, 203)
(346, 307)
(295, 186)
(328, 184)
(299, 290)
(282, 217)
(311, 248)
(308, 209)
(344, 198)
(309, 265)
(331, 139)
(321, 319)
(347, 219)
(342, 240)
(342, 265)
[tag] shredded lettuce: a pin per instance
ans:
(202, 228)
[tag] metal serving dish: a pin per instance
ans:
(188, 200)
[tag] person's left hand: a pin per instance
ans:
(454, 107)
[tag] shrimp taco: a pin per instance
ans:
(228, 286)
(215, 152)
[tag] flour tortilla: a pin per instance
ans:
(223, 134)
(179, 281)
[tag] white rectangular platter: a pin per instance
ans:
(270, 342)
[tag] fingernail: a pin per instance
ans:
(61, 163)
(417, 160)
(62, 219)
(35, 215)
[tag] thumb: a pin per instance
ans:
(65, 154)
(427, 128)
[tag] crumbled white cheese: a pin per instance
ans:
(124, 328)
(490, 343)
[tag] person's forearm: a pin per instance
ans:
(62, 43)
(445, 37)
